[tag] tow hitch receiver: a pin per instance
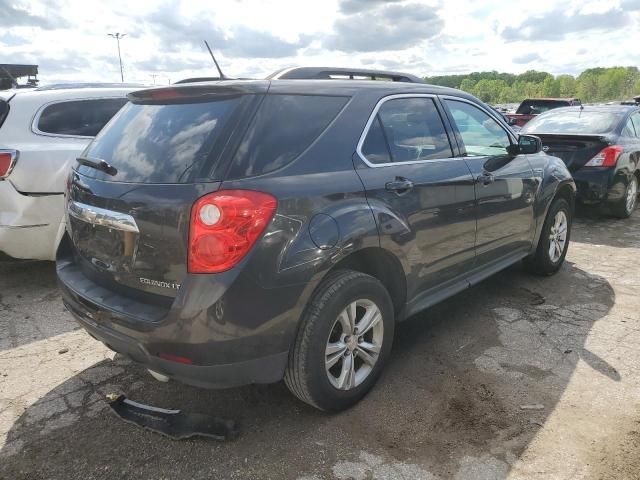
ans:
(172, 423)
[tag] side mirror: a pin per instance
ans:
(529, 144)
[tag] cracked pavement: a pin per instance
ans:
(449, 405)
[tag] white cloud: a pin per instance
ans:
(68, 38)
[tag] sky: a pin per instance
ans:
(69, 39)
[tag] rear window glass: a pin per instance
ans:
(284, 126)
(535, 107)
(161, 143)
(4, 111)
(573, 121)
(81, 118)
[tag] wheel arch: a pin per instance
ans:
(564, 189)
(383, 266)
(567, 191)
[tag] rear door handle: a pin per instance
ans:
(485, 178)
(399, 185)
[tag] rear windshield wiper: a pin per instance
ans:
(98, 164)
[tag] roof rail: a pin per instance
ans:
(329, 73)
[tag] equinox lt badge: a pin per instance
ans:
(158, 283)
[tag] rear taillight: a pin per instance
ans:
(224, 227)
(607, 157)
(8, 159)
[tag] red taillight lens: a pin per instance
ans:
(224, 227)
(7, 162)
(607, 157)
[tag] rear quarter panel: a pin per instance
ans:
(322, 217)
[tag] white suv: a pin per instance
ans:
(42, 131)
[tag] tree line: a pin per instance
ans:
(592, 85)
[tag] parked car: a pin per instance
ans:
(42, 131)
(244, 232)
(601, 147)
(530, 107)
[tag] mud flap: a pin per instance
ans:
(172, 423)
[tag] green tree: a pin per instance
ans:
(566, 86)
(550, 87)
(592, 85)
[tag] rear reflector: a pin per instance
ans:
(224, 227)
(175, 358)
(607, 157)
(8, 160)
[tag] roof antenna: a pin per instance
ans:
(222, 76)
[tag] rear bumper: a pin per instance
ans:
(207, 323)
(598, 185)
(31, 226)
(267, 369)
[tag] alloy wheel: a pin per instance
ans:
(558, 236)
(632, 194)
(354, 344)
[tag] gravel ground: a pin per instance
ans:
(449, 404)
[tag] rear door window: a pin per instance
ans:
(161, 143)
(78, 118)
(375, 147)
(482, 134)
(283, 128)
(406, 130)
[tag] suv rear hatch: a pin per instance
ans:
(129, 222)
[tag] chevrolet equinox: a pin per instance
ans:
(246, 231)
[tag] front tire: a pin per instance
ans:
(554, 240)
(343, 343)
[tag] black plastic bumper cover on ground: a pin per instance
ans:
(173, 423)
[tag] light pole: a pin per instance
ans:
(118, 36)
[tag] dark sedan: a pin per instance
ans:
(601, 147)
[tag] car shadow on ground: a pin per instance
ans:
(450, 401)
(596, 228)
(30, 314)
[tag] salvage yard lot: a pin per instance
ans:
(449, 404)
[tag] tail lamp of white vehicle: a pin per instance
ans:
(8, 160)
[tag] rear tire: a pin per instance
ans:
(625, 207)
(332, 365)
(554, 240)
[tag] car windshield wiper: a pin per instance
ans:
(98, 164)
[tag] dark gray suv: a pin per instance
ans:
(243, 232)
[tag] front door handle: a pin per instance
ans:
(399, 185)
(485, 178)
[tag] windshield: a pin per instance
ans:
(573, 122)
(160, 143)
